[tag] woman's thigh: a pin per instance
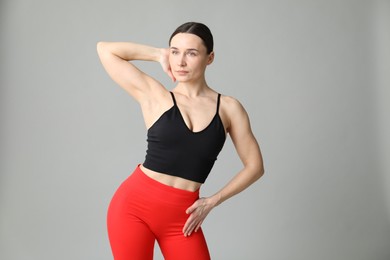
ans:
(180, 247)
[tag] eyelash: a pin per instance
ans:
(192, 54)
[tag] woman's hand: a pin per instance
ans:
(164, 61)
(198, 212)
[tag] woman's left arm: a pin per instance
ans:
(249, 152)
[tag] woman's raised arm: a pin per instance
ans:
(115, 57)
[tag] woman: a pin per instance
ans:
(186, 130)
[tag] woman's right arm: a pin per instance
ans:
(115, 57)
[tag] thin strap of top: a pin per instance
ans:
(173, 98)
(218, 100)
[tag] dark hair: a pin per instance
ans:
(200, 30)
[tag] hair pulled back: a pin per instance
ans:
(198, 29)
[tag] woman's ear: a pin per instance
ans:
(210, 58)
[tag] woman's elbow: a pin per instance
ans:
(259, 172)
(100, 46)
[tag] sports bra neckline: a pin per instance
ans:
(216, 115)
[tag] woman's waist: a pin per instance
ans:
(172, 181)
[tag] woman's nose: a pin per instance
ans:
(181, 61)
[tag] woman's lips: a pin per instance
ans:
(182, 72)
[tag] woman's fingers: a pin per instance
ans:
(198, 212)
(190, 223)
(164, 61)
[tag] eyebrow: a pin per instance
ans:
(191, 49)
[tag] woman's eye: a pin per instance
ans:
(175, 52)
(192, 54)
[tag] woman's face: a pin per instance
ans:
(188, 57)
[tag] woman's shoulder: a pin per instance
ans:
(231, 109)
(230, 103)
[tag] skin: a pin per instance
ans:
(185, 62)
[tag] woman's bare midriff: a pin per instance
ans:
(173, 181)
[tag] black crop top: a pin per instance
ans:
(175, 150)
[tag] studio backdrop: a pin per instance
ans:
(312, 75)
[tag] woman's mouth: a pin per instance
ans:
(182, 72)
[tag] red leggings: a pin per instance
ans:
(144, 210)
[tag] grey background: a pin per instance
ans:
(313, 76)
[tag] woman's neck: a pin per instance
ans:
(191, 89)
